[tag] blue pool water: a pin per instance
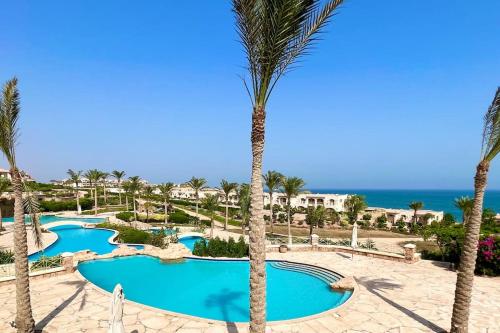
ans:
(211, 289)
(75, 238)
(189, 241)
(44, 219)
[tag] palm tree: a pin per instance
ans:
(273, 180)
(197, 184)
(148, 193)
(291, 187)
(4, 187)
(353, 205)
(274, 35)
(166, 192)
(126, 186)
(89, 176)
(244, 203)
(315, 217)
(75, 177)
(465, 276)
(9, 116)
(227, 188)
(416, 206)
(465, 204)
(119, 176)
(135, 187)
(94, 176)
(210, 203)
(103, 176)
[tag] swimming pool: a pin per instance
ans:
(189, 241)
(212, 289)
(75, 238)
(44, 219)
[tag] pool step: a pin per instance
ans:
(321, 273)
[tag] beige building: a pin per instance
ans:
(304, 200)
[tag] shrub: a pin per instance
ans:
(125, 216)
(488, 256)
(57, 206)
(6, 257)
(382, 222)
(217, 247)
(180, 217)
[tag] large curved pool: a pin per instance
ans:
(71, 238)
(212, 289)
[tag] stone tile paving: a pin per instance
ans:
(392, 297)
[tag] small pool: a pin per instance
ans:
(75, 238)
(189, 241)
(212, 289)
(44, 219)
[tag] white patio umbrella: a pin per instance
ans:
(115, 320)
(354, 238)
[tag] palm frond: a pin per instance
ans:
(32, 207)
(491, 131)
(9, 116)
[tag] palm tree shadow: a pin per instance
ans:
(226, 300)
(376, 286)
(51, 315)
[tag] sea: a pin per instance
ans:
(440, 200)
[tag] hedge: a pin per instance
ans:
(57, 206)
(217, 247)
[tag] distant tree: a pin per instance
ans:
(244, 203)
(465, 204)
(119, 177)
(272, 180)
(103, 177)
(166, 193)
(291, 186)
(448, 218)
(465, 276)
(416, 206)
(94, 177)
(315, 217)
(135, 187)
(382, 221)
(227, 188)
(126, 186)
(197, 184)
(75, 177)
(210, 203)
(354, 204)
(148, 205)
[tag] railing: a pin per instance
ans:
(44, 263)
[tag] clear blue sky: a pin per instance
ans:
(392, 97)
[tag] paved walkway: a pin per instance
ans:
(392, 297)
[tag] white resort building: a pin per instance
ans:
(304, 200)
(395, 215)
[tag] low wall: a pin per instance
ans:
(349, 250)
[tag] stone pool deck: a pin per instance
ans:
(392, 297)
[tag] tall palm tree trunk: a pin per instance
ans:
(120, 193)
(95, 201)
(227, 212)
(24, 317)
(78, 207)
(135, 210)
(257, 227)
(211, 226)
(166, 211)
(104, 192)
(271, 211)
(126, 201)
(465, 275)
(289, 224)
